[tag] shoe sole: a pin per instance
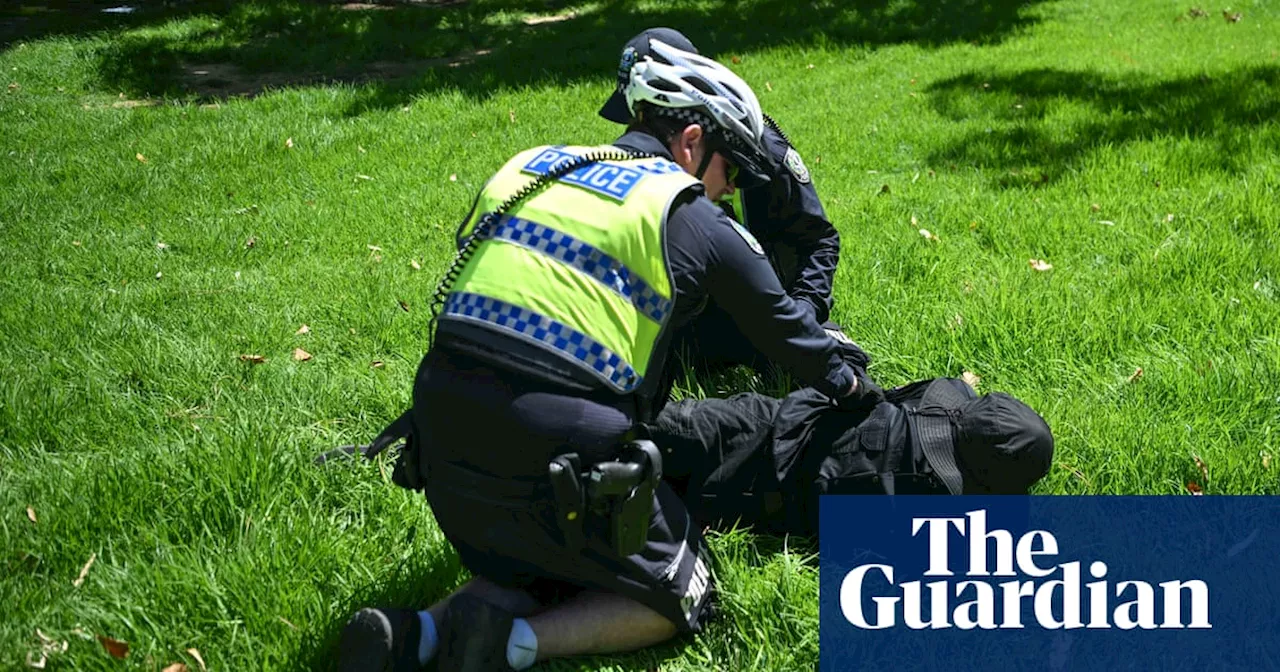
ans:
(366, 643)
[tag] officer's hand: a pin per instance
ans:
(865, 394)
(850, 352)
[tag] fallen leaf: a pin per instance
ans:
(1095, 207)
(1106, 222)
(768, 86)
(13, 86)
(736, 60)
(115, 647)
(1232, 17)
(162, 246)
(140, 157)
(361, 149)
(973, 226)
(253, 359)
(511, 114)
(84, 571)
(304, 329)
(374, 248)
(809, 67)
(884, 188)
(196, 654)
(1204, 468)
(286, 622)
(1136, 374)
(176, 667)
(159, 274)
(301, 355)
(363, 177)
(404, 306)
(957, 321)
(413, 263)
(82, 633)
(289, 143)
(250, 242)
(929, 235)
(1266, 459)
(1196, 13)
(971, 378)
(31, 514)
(1194, 488)
(1168, 217)
(76, 243)
(914, 222)
(38, 663)
(377, 364)
(1040, 264)
(453, 178)
(931, 173)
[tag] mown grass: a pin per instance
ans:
(1132, 146)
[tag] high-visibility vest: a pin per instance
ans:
(579, 269)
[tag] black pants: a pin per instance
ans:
(505, 429)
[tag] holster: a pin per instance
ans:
(618, 492)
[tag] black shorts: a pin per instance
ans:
(514, 540)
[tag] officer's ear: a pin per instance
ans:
(687, 147)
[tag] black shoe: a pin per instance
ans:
(380, 640)
(474, 637)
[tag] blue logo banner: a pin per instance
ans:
(1049, 583)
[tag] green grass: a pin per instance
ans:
(1133, 147)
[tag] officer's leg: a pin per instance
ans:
(595, 622)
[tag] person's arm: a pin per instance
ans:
(737, 276)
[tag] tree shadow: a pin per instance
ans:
(1041, 124)
(209, 50)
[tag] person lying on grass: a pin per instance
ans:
(761, 461)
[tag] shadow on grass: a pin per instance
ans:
(1043, 123)
(209, 49)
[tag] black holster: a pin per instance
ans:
(617, 493)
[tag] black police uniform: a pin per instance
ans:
(803, 247)
(487, 430)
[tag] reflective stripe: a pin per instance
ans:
(531, 326)
(608, 271)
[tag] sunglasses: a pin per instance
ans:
(731, 170)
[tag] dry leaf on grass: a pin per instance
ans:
(511, 114)
(453, 177)
(13, 86)
(374, 248)
(363, 177)
(1266, 459)
(1095, 207)
(360, 148)
(971, 378)
(1040, 264)
(248, 244)
(253, 359)
(377, 364)
(1194, 488)
(140, 157)
(301, 355)
(115, 647)
(736, 60)
(289, 143)
(162, 245)
(286, 622)
(929, 235)
(31, 514)
(1204, 468)
(196, 654)
(915, 223)
(1136, 374)
(403, 306)
(768, 86)
(176, 667)
(413, 263)
(1232, 17)
(84, 571)
(304, 329)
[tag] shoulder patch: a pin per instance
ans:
(796, 165)
(747, 236)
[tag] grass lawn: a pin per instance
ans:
(184, 187)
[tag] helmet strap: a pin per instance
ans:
(706, 161)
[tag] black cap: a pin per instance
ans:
(615, 109)
(992, 444)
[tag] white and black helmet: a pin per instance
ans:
(696, 89)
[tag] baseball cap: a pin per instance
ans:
(615, 109)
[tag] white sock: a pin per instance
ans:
(430, 641)
(522, 645)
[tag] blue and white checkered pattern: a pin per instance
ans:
(608, 271)
(531, 326)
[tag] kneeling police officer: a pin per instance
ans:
(575, 267)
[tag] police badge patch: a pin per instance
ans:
(747, 236)
(796, 165)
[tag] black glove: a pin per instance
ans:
(865, 395)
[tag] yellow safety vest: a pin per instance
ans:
(578, 269)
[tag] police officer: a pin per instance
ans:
(555, 321)
(784, 215)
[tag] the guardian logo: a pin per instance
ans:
(1056, 593)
